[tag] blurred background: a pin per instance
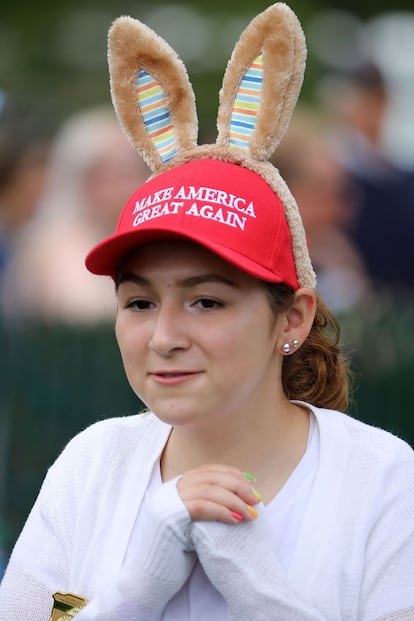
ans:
(66, 169)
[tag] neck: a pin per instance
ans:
(268, 444)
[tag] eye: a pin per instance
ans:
(139, 304)
(208, 303)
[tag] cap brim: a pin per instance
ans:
(105, 257)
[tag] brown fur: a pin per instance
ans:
(276, 32)
(133, 46)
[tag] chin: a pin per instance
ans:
(177, 415)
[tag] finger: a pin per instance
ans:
(194, 496)
(231, 480)
(202, 510)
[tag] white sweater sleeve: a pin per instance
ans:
(38, 564)
(163, 563)
(387, 589)
(143, 586)
(240, 562)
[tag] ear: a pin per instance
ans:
(262, 83)
(151, 93)
(298, 319)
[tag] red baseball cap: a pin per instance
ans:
(225, 207)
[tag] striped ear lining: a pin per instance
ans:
(246, 105)
(153, 105)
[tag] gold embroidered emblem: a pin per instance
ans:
(66, 606)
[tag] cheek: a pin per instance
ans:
(240, 347)
(130, 341)
(253, 330)
(119, 333)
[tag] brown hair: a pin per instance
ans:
(317, 372)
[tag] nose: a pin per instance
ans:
(169, 331)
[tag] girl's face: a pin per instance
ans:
(197, 335)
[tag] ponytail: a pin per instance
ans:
(317, 372)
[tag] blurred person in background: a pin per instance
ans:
(324, 195)
(93, 170)
(383, 227)
(24, 149)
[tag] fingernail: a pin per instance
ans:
(252, 511)
(236, 515)
(249, 476)
(257, 494)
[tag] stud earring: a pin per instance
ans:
(286, 348)
(295, 343)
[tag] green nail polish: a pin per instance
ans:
(249, 476)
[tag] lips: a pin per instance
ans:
(172, 377)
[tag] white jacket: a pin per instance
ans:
(354, 558)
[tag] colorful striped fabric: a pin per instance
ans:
(152, 103)
(246, 105)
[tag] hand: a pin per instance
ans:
(155, 570)
(242, 565)
(215, 492)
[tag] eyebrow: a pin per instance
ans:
(191, 281)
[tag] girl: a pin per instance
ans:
(245, 492)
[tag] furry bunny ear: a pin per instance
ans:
(262, 83)
(151, 93)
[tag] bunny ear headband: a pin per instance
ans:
(226, 196)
